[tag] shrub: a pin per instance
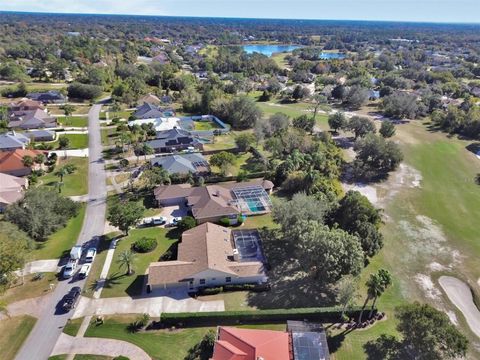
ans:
(121, 358)
(211, 291)
(326, 314)
(187, 223)
(224, 221)
(144, 245)
(240, 219)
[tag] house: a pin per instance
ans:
(159, 124)
(11, 162)
(31, 119)
(302, 341)
(161, 58)
(150, 99)
(251, 344)
(148, 111)
(41, 135)
(194, 163)
(12, 190)
(207, 256)
(175, 140)
(12, 141)
(48, 97)
(214, 202)
(25, 105)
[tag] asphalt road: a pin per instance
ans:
(48, 328)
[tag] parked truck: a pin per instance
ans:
(76, 253)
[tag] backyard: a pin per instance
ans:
(73, 184)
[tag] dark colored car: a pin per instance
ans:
(71, 299)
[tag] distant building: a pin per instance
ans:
(12, 190)
(150, 99)
(183, 164)
(48, 97)
(29, 114)
(12, 141)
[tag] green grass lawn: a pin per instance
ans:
(91, 357)
(72, 326)
(119, 284)
(97, 265)
(74, 121)
(13, 332)
(61, 241)
(77, 141)
(79, 110)
(222, 142)
(448, 198)
(29, 289)
(280, 60)
(73, 184)
(158, 344)
(109, 136)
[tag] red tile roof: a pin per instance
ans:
(249, 344)
(13, 160)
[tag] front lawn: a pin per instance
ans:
(73, 121)
(30, 289)
(77, 141)
(118, 283)
(13, 332)
(61, 241)
(72, 326)
(73, 184)
(109, 136)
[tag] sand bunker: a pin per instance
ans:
(460, 295)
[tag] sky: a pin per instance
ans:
(466, 11)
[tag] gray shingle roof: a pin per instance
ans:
(13, 140)
(180, 164)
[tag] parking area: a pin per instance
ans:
(168, 213)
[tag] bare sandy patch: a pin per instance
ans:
(426, 284)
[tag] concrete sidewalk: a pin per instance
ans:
(67, 344)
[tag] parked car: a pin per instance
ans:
(91, 253)
(70, 300)
(70, 268)
(175, 220)
(84, 271)
(159, 220)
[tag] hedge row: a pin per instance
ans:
(326, 314)
(233, 287)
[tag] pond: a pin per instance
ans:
(331, 55)
(269, 49)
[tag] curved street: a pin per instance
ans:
(49, 326)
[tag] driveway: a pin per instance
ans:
(153, 305)
(67, 344)
(174, 211)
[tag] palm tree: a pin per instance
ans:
(147, 150)
(27, 161)
(67, 110)
(125, 259)
(61, 173)
(376, 285)
(386, 281)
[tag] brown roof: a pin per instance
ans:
(13, 160)
(207, 246)
(208, 201)
(11, 188)
(26, 104)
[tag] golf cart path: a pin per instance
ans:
(67, 344)
(460, 295)
(154, 305)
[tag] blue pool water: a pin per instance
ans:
(252, 205)
(331, 55)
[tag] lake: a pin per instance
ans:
(270, 49)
